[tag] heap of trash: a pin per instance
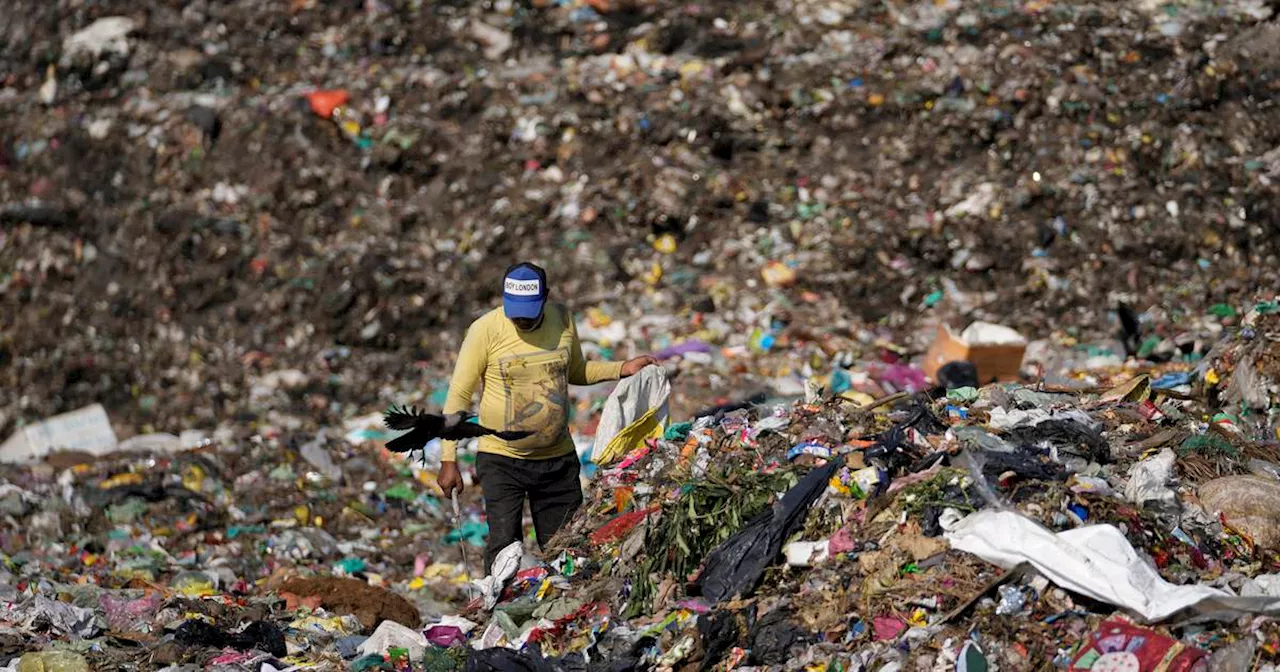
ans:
(965, 361)
(1128, 521)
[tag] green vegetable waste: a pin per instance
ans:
(707, 513)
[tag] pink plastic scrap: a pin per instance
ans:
(230, 657)
(125, 614)
(445, 635)
(887, 627)
(841, 542)
(635, 455)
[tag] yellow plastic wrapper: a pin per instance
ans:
(121, 479)
(195, 588)
(192, 478)
(859, 398)
(332, 626)
(53, 661)
(631, 437)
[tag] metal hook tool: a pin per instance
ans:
(462, 543)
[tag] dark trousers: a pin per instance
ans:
(551, 486)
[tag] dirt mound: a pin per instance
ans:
(179, 201)
(370, 604)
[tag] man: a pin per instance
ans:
(527, 354)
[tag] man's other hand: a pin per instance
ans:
(633, 366)
(449, 478)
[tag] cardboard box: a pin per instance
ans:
(996, 351)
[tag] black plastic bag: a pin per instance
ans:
(1067, 435)
(889, 451)
(259, 635)
(958, 374)
(263, 636)
(773, 636)
(720, 633)
(719, 411)
(501, 659)
(736, 566)
(1027, 463)
(613, 654)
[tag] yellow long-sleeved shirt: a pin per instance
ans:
(526, 377)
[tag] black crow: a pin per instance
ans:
(1130, 328)
(428, 426)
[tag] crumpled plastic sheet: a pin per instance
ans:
(64, 618)
(1095, 560)
(1149, 482)
(392, 635)
(505, 565)
(1002, 419)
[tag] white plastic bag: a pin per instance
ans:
(505, 565)
(632, 398)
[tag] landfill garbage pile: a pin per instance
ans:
(1006, 526)
(228, 556)
(1127, 527)
(208, 205)
(243, 228)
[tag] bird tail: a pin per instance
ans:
(513, 435)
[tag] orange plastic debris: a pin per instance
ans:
(323, 103)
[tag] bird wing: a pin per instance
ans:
(403, 417)
(409, 442)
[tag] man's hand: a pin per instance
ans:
(449, 478)
(633, 366)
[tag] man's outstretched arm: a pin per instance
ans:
(584, 372)
(467, 372)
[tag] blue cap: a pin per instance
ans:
(524, 291)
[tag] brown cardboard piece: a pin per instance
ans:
(995, 361)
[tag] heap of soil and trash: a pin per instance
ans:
(1120, 520)
(971, 353)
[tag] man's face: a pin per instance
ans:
(527, 323)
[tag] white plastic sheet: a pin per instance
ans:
(632, 398)
(392, 635)
(106, 35)
(1096, 561)
(1002, 419)
(505, 565)
(1149, 480)
(87, 429)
